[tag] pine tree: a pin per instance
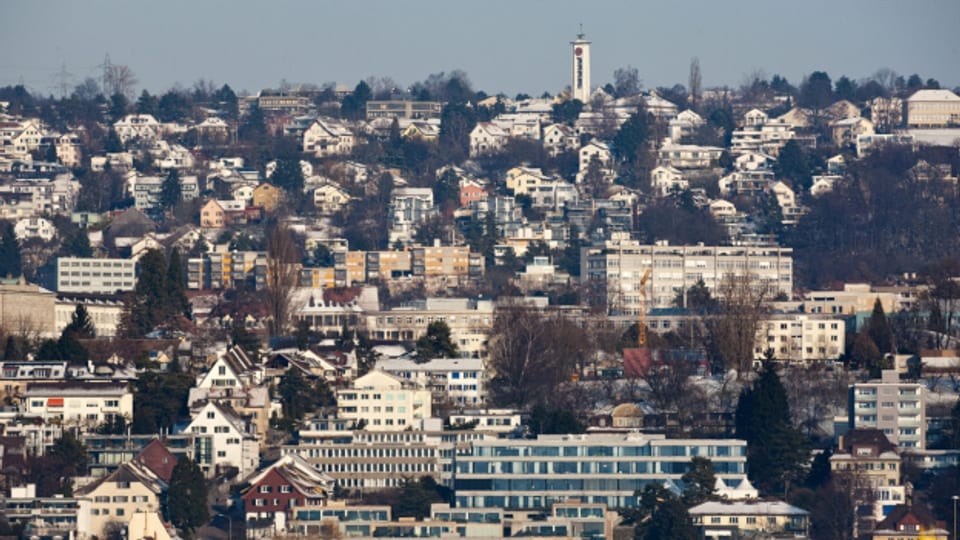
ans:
(148, 306)
(187, 496)
(699, 482)
(671, 520)
(76, 244)
(776, 451)
(176, 285)
(879, 329)
(10, 261)
(81, 325)
(170, 190)
(437, 343)
(288, 176)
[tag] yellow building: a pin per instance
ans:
(112, 501)
(266, 196)
(716, 518)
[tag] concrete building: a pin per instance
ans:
(933, 109)
(615, 269)
(895, 408)
(469, 320)
(580, 76)
(231, 444)
(460, 382)
(718, 520)
(384, 402)
(605, 468)
(870, 457)
(408, 208)
(78, 404)
(90, 275)
(114, 499)
(800, 338)
(409, 110)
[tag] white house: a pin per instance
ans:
(685, 124)
(85, 406)
(559, 138)
(721, 209)
(665, 178)
(487, 138)
(328, 137)
(35, 227)
(329, 198)
(408, 207)
(137, 126)
(752, 161)
(595, 149)
(689, 156)
(231, 441)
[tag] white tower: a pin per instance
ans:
(580, 84)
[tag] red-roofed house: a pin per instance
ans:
(158, 459)
(289, 483)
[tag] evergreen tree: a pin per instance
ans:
(288, 176)
(10, 261)
(170, 190)
(148, 306)
(177, 285)
(699, 482)
(671, 520)
(293, 390)
(113, 144)
(81, 325)
(437, 343)
(878, 327)
(187, 496)
(776, 451)
(76, 244)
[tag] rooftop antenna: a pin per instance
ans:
(580, 34)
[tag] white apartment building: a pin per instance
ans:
(89, 275)
(137, 126)
(409, 207)
(105, 313)
(384, 402)
(933, 109)
(80, 404)
(616, 268)
(896, 408)
(459, 380)
(800, 338)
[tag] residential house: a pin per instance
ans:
(472, 191)
(107, 505)
(34, 228)
(933, 109)
(716, 520)
(328, 137)
(722, 209)
(487, 138)
(869, 459)
(909, 523)
(20, 137)
(595, 149)
(266, 196)
(559, 138)
(823, 184)
(664, 179)
(408, 208)
(329, 198)
(213, 215)
(469, 321)
(137, 127)
(212, 130)
(751, 161)
(384, 402)
(844, 132)
(524, 180)
(685, 125)
(554, 196)
(231, 441)
(424, 131)
(755, 117)
(306, 168)
(276, 491)
(69, 150)
(689, 156)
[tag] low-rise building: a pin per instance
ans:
(88, 275)
(290, 482)
(896, 408)
(459, 381)
(109, 503)
(384, 402)
(800, 338)
(718, 520)
(84, 405)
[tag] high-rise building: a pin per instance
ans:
(896, 408)
(580, 83)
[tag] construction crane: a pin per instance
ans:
(642, 330)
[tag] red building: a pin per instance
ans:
(280, 488)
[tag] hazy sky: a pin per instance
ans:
(504, 46)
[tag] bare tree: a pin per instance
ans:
(531, 354)
(733, 329)
(281, 278)
(694, 83)
(673, 393)
(626, 82)
(119, 79)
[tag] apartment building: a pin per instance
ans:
(81, 404)
(800, 338)
(227, 270)
(460, 381)
(408, 208)
(869, 455)
(452, 261)
(896, 408)
(95, 276)
(106, 313)
(408, 110)
(601, 468)
(384, 402)
(469, 321)
(616, 268)
(114, 499)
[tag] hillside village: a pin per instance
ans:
(365, 311)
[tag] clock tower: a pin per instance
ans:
(580, 84)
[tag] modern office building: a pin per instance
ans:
(596, 468)
(894, 407)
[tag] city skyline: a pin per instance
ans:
(523, 49)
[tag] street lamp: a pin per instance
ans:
(229, 526)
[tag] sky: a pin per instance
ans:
(503, 46)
